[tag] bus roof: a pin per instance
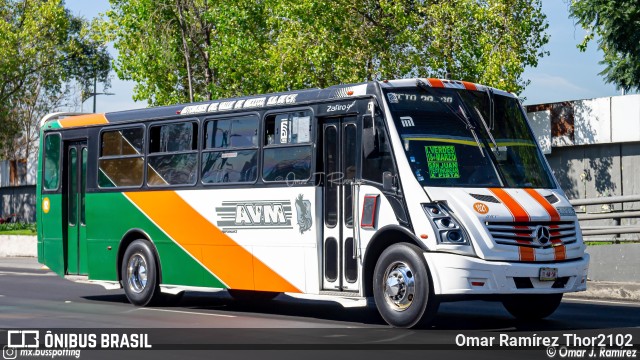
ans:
(254, 102)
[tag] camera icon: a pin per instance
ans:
(9, 353)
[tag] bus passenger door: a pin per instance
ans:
(76, 181)
(340, 159)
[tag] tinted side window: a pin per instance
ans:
(121, 161)
(173, 137)
(232, 133)
(287, 163)
(288, 152)
(122, 142)
(379, 160)
(52, 162)
(288, 128)
(173, 154)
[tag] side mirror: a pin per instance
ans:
(387, 181)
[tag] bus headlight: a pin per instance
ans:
(447, 227)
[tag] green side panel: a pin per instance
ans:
(39, 202)
(109, 217)
(50, 232)
(82, 230)
(72, 225)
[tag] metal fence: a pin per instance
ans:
(616, 230)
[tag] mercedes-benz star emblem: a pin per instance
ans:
(543, 235)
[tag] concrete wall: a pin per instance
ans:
(617, 263)
(601, 170)
(19, 200)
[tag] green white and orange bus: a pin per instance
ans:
(408, 192)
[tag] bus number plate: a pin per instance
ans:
(548, 274)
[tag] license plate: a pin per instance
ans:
(548, 274)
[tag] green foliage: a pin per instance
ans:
(191, 50)
(616, 22)
(23, 228)
(42, 47)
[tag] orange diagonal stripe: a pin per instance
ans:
(527, 254)
(83, 120)
(436, 83)
(469, 86)
(518, 212)
(559, 250)
(553, 213)
(230, 262)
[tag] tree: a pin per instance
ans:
(190, 50)
(42, 49)
(616, 23)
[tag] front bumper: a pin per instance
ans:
(456, 274)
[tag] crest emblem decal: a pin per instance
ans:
(303, 210)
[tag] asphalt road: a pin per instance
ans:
(32, 297)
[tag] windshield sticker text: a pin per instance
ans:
(442, 161)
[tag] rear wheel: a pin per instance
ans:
(532, 306)
(139, 272)
(402, 289)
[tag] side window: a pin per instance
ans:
(52, 162)
(287, 151)
(173, 154)
(230, 154)
(379, 159)
(121, 161)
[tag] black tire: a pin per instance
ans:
(532, 306)
(250, 295)
(139, 273)
(414, 304)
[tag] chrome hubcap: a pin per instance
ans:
(399, 286)
(137, 273)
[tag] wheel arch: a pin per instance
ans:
(131, 236)
(384, 237)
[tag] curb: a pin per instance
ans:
(18, 245)
(609, 290)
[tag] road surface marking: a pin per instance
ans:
(25, 273)
(188, 312)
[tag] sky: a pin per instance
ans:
(565, 74)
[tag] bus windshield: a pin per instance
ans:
(451, 139)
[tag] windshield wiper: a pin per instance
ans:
(466, 120)
(486, 127)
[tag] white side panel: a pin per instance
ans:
(277, 225)
(541, 124)
(384, 216)
(592, 119)
(625, 118)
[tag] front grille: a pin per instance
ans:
(524, 233)
(485, 198)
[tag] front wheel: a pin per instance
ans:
(139, 272)
(402, 289)
(532, 306)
